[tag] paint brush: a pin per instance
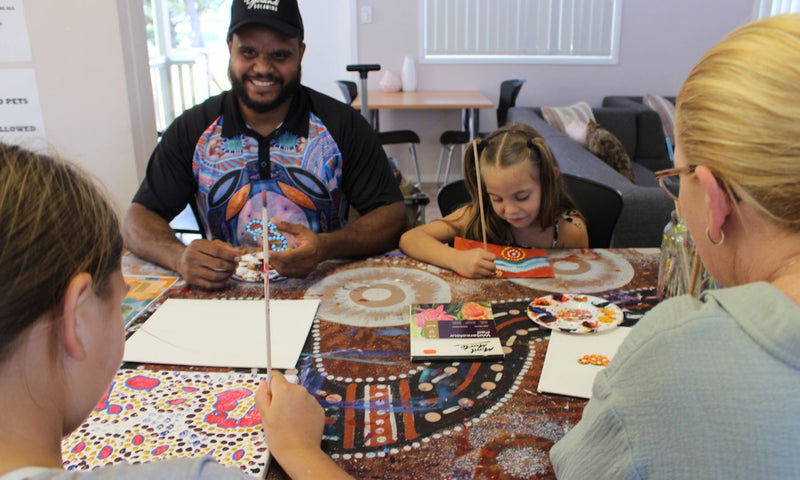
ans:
(265, 273)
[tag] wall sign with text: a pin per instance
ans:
(20, 111)
(14, 43)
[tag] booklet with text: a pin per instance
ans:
(453, 331)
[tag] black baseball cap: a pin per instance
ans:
(282, 15)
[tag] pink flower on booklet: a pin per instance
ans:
(512, 262)
(431, 315)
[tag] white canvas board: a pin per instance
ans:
(222, 333)
(562, 374)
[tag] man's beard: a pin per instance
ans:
(286, 91)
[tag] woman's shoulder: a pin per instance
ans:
(754, 312)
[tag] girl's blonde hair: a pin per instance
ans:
(738, 113)
(507, 146)
(54, 224)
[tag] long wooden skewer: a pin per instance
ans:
(480, 191)
(265, 273)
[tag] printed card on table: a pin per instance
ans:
(573, 360)
(512, 262)
(142, 292)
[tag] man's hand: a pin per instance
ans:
(475, 263)
(208, 263)
(304, 257)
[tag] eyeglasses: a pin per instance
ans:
(671, 172)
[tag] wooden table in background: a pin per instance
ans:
(467, 101)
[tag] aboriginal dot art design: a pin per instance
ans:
(154, 415)
(385, 408)
(304, 184)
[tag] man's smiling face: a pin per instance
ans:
(264, 67)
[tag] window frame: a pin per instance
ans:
(763, 8)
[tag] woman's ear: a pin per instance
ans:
(73, 327)
(719, 205)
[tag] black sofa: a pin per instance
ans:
(646, 208)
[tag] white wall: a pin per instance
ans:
(330, 43)
(82, 63)
(660, 42)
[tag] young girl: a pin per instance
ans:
(525, 204)
(61, 334)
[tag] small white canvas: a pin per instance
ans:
(222, 333)
(562, 374)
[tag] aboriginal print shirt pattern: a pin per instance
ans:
(304, 184)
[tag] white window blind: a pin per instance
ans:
(521, 31)
(768, 8)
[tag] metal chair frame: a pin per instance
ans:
(390, 137)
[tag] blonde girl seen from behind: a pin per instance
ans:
(62, 337)
(525, 204)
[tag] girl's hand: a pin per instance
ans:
(292, 419)
(475, 263)
(293, 422)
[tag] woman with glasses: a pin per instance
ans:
(708, 387)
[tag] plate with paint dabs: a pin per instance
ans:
(574, 313)
(251, 269)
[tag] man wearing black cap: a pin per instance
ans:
(313, 156)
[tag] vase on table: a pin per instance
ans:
(409, 74)
(680, 270)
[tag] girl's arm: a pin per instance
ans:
(572, 233)
(428, 243)
(293, 421)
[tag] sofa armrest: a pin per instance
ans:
(629, 101)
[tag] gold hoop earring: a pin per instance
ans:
(711, 240)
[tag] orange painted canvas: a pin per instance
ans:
(512, 262)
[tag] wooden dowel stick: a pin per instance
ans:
(265, 273)
(480, 190)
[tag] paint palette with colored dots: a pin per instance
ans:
(574, 313)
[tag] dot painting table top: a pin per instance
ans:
(390, 418)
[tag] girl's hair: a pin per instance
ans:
(54, 224)
(507, 146)
(738, 111)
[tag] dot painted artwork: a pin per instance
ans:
(154, 415)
